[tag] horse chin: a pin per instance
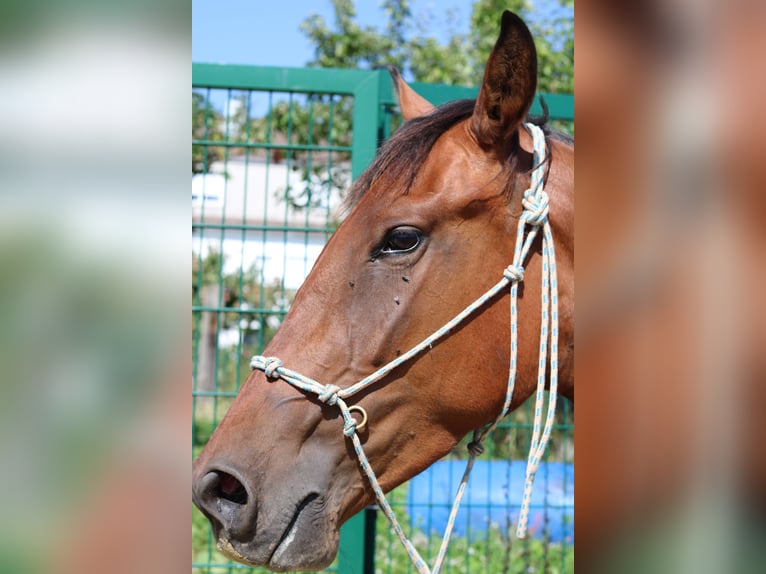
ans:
(298, 558)
(303, 554)
(308, 541)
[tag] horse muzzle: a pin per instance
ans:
(290, 529)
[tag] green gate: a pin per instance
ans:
(273, 151)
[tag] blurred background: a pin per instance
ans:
(671, 465)
(94, 239)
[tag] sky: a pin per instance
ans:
(267, 32)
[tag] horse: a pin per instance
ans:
(429, 226)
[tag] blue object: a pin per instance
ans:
(489, 501)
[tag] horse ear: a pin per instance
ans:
(411, 103)
(510, 80)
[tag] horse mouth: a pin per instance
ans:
(305, 543)
(283, 546)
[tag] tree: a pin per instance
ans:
(244, 289)
(553, 32)
(347, 45)
(239, 301)
(405, 43)
(316, 119)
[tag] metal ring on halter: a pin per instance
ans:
(360, 426)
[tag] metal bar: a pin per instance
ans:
(330, 137)
(264, 236)
(317, 80)
(288, 147)
(439, 94)
(278, 79)
(357, 540)
(366, 120)
(309, 199)
(560, 106)
(287, 186)
(261, 227)
(227, 120)
(242, 239)
(248, 311)
(214, 393)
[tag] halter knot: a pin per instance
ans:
(329, 395)
(349, 426)
(535, 207)
(270, 366)
(514, 273)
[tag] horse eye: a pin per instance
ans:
(401, 240)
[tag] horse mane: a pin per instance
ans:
(400, 158)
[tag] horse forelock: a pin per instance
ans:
(401, 157)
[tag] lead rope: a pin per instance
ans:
(534, 215)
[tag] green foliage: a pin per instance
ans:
(313, 120)
(512, 437)
(554, 39)
(406, 43)
(206, 125)
(430, 61)
(241, 292)
(348, 45)
(494, 552)
(202, 430)
(318, 120)
(242, 288)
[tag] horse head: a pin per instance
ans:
(431, 225)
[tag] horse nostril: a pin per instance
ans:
(229, 488)
(224, 499)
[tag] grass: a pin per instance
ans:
(493, 553)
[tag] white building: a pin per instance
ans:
(287, 217)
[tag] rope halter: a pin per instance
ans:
(535, 208)
(514, 274)
(534, 215)
(270, 366)
(329, 395)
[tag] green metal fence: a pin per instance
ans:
(273, 151)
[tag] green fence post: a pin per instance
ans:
(366, 122)
(357, 544)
